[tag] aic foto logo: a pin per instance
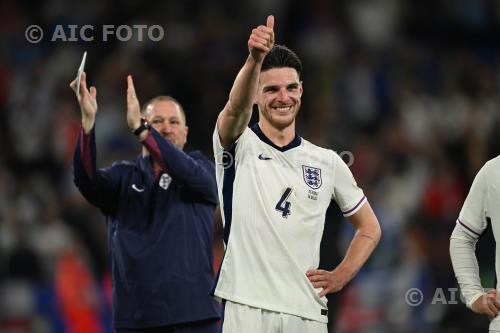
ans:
(89, 33)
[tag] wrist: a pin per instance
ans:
(469, 303)
(87, 125)
(252, 61)
(141, 128)
(344, 274)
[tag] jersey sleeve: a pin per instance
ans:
(181, 166)
(472, 218)
(99, 186)
(226, 157)
(346, 193)
(217, 145)
(465, 266)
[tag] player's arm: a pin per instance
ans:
(362, 245)
(236, 114)
(97, 186)
(470, 225)
(192, 171)
(463, 258)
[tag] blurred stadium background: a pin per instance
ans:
(409, 87)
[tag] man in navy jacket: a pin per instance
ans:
(160, 218)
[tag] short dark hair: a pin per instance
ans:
(281, 56)
(164, 98)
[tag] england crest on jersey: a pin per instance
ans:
(165, 181)
(312, 176)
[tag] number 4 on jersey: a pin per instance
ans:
(283, 206)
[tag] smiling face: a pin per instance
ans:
(166, 117)
(279, 96)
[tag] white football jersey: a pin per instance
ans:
(482, 201)
(273, 203)
(481, 205)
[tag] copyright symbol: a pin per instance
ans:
(33, 34)
(227, 159)
(414, 297)
(350, 157)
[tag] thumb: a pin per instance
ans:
(270, 21)
(72, 85)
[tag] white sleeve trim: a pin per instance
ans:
(466, 227)
(356, 207)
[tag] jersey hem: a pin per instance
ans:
(222, 295)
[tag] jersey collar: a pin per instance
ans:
(294, 143)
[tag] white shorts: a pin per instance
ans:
(240, 318)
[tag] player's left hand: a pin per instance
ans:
(133, 106)
(331, 282)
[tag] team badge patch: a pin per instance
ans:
(312, 176)
(165, 181)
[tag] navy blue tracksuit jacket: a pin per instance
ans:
(159, 231)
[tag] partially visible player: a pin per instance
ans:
(275, 188)
(480, 206)
(159, 211)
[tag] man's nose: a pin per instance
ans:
(162, 128)
(165, 126)
(282, 95)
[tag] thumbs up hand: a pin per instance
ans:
(261, 40)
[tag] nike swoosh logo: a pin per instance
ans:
(137, 189)
(263, 157)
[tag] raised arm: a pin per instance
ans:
(236, 114)
(362, 245)
(97, 186)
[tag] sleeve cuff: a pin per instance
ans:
(356, 207)
(474, 298)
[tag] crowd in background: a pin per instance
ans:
(411, 89)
